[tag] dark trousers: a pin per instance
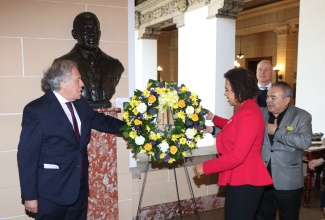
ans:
(48, 210)
(242, 202)
(286, 201)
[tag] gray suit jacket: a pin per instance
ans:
(287, 149)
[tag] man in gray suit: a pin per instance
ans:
(288, 132)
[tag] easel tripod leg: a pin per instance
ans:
(179, 202)
(192, 192)
(142, 189)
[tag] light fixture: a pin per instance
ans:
(240, 55)
(236, 64)
(277, 70)
(159, 70)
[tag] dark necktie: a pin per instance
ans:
(74, 120)
(77, 134)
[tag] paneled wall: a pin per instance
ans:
(167, 43)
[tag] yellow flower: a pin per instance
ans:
(171, 160)
(160, 90)
(152, 99)
(137, 122)
(134, 103)
(135, 111)
(162, 155)
(146, 93)
(153, 136)
(181, 115)
(128, 123)
(289, 128)
(133, 134)
(175, 137)
(182, 140)
(195, 117)
(184, 89)
(181, 103)
(184, 153)
(148, 128)
(191, 144)
(197, 137)
(173, 149)
(195, 103)
(125, 115)
(148, 147)
(198, 110)
(193, 97)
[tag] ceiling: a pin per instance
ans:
(248, 4)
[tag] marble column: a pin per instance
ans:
(206, 45)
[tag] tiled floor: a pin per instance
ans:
(313, 213)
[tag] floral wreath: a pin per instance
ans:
(145, 135)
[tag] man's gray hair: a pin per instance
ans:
(60, 71)
(285, 87)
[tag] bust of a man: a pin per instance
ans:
(100, 72)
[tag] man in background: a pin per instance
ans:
(264, 74)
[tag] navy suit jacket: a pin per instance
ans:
(47, 137)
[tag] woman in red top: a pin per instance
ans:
(239, 162)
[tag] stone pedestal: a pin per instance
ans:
(103, 195)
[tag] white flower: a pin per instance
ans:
(142, 108)
(190, 133)
(139, 140)
(163, 147)
(189, 110)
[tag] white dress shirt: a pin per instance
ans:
(62, 101)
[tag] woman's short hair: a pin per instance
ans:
(60, 71)
(243, 83)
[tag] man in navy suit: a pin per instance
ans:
(52, 158)
(264, 73)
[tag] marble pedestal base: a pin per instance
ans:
(103, 195)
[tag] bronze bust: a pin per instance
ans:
(100, 72)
